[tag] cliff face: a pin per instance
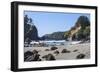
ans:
(80, 31)
(30, 30)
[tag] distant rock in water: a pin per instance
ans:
(80, 56)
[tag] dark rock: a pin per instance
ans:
(80, 56)
(65, 51)
(56, 52)
(36, 57)
(30, 30)
(27, 54)
(75, 50)
(45, 56)
(35, 51)
(31, 56)
(46, 49)
(39, 60)
(54, 48)
(49, 57)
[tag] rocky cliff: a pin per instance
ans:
(30, 30)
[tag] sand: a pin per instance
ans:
(75, 49)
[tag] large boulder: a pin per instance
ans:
(27, 54)
(36, 57)
(32, 56)
(49, 57)
(65, 51)
(54, 48)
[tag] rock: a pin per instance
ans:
(45, 56)
(65, 51)
(54, 48)
(32, 56)
(35, 51)
(27, 54)
(49, 57)
(56, 52)
(30, 30)
(36, 57)
(80, 56)
(39, 60)
(75, 50)
(46, 49)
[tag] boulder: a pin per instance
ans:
(27, 54)
(54, 48)
(65, 51)
(36, 57)
(56, 52)
(35, 51)
(49, 57)
(32, 56)
(80, 56)
(46, 49)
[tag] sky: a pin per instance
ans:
(49, 22)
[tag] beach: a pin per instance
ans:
(74, 51)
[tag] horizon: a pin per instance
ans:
(49, 22)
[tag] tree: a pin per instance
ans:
(26, 19)
(87, 33)
(83, 21)
(30, 31)
(66, 35)
(80, 35)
